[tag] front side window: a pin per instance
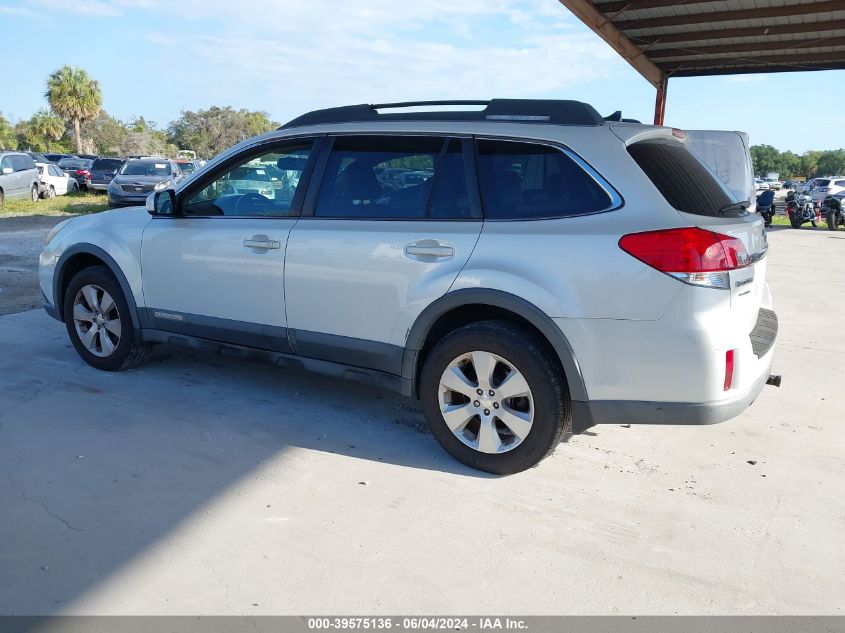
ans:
(263, 185)
(522, 181)
(394, 177)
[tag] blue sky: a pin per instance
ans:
(158, 57)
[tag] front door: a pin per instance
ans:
(387, 232)
(216, 269)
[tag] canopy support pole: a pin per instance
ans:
(660, 101)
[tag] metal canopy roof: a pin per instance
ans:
(685, 38)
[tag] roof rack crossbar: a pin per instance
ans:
(556, 111)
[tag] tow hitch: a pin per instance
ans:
(773, 380)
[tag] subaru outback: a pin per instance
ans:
(548, 267)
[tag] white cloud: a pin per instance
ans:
(299, 56)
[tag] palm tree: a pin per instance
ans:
(74, 95)
(46, 125)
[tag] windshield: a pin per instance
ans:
(145, 168)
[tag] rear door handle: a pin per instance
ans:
(429, 250)
(261, 243)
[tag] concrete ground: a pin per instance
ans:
(210, 485)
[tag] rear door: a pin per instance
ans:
(370, 253)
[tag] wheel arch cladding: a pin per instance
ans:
(467, 305)
(79, 257)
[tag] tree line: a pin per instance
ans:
(810, 164)
(74, 122)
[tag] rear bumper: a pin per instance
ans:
(681, 413)
(98, 186)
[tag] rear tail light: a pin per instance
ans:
(729, 368)
(82, 172)
(692, 255)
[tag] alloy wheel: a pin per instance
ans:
(486, 402)
(97, 320)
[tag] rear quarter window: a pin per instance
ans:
(523, 181)
(681, 178)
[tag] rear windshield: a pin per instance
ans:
(107, 164)
(145, 168)
(74, 163)
(685, 182)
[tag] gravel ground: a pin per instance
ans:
(21, 240)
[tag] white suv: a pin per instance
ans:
(828, 186)
(551, 267)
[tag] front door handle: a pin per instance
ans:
(429, 250)
(261, 243)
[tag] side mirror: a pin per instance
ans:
(161, 203)
(8, 170)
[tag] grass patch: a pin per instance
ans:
(69, 204)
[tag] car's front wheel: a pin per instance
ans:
(495, 397)
(98, 321)
(33, 194)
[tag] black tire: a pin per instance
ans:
(33, 194)
(2, 198)
(796, 224)
(74, 188)
(532, 357)
(128, 352)
(832, 223)
(813, 222)
(51, 192)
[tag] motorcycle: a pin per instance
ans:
(766, 206)
(800, 209)
(832, 209)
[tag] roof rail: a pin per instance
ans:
(557, 111)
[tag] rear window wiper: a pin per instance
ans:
(740, 206)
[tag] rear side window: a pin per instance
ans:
(840, 183)
(521, 181)
(394, 177)
(683, 181)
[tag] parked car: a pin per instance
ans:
(101, 173)
(55, 158)
(824, 187)
(188, 167)
(761, 185)
(88, 156)
(77, 168)
(18, 177)
(616, 279)
(54, 181)
(774, 183)
(247, 179)
(138, 177)
(791, 184)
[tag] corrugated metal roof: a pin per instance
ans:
(683, 38)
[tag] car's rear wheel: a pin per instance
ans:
(74, 188)
(832, 223)
(98, 321)
(51, 192)
(495, 397)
